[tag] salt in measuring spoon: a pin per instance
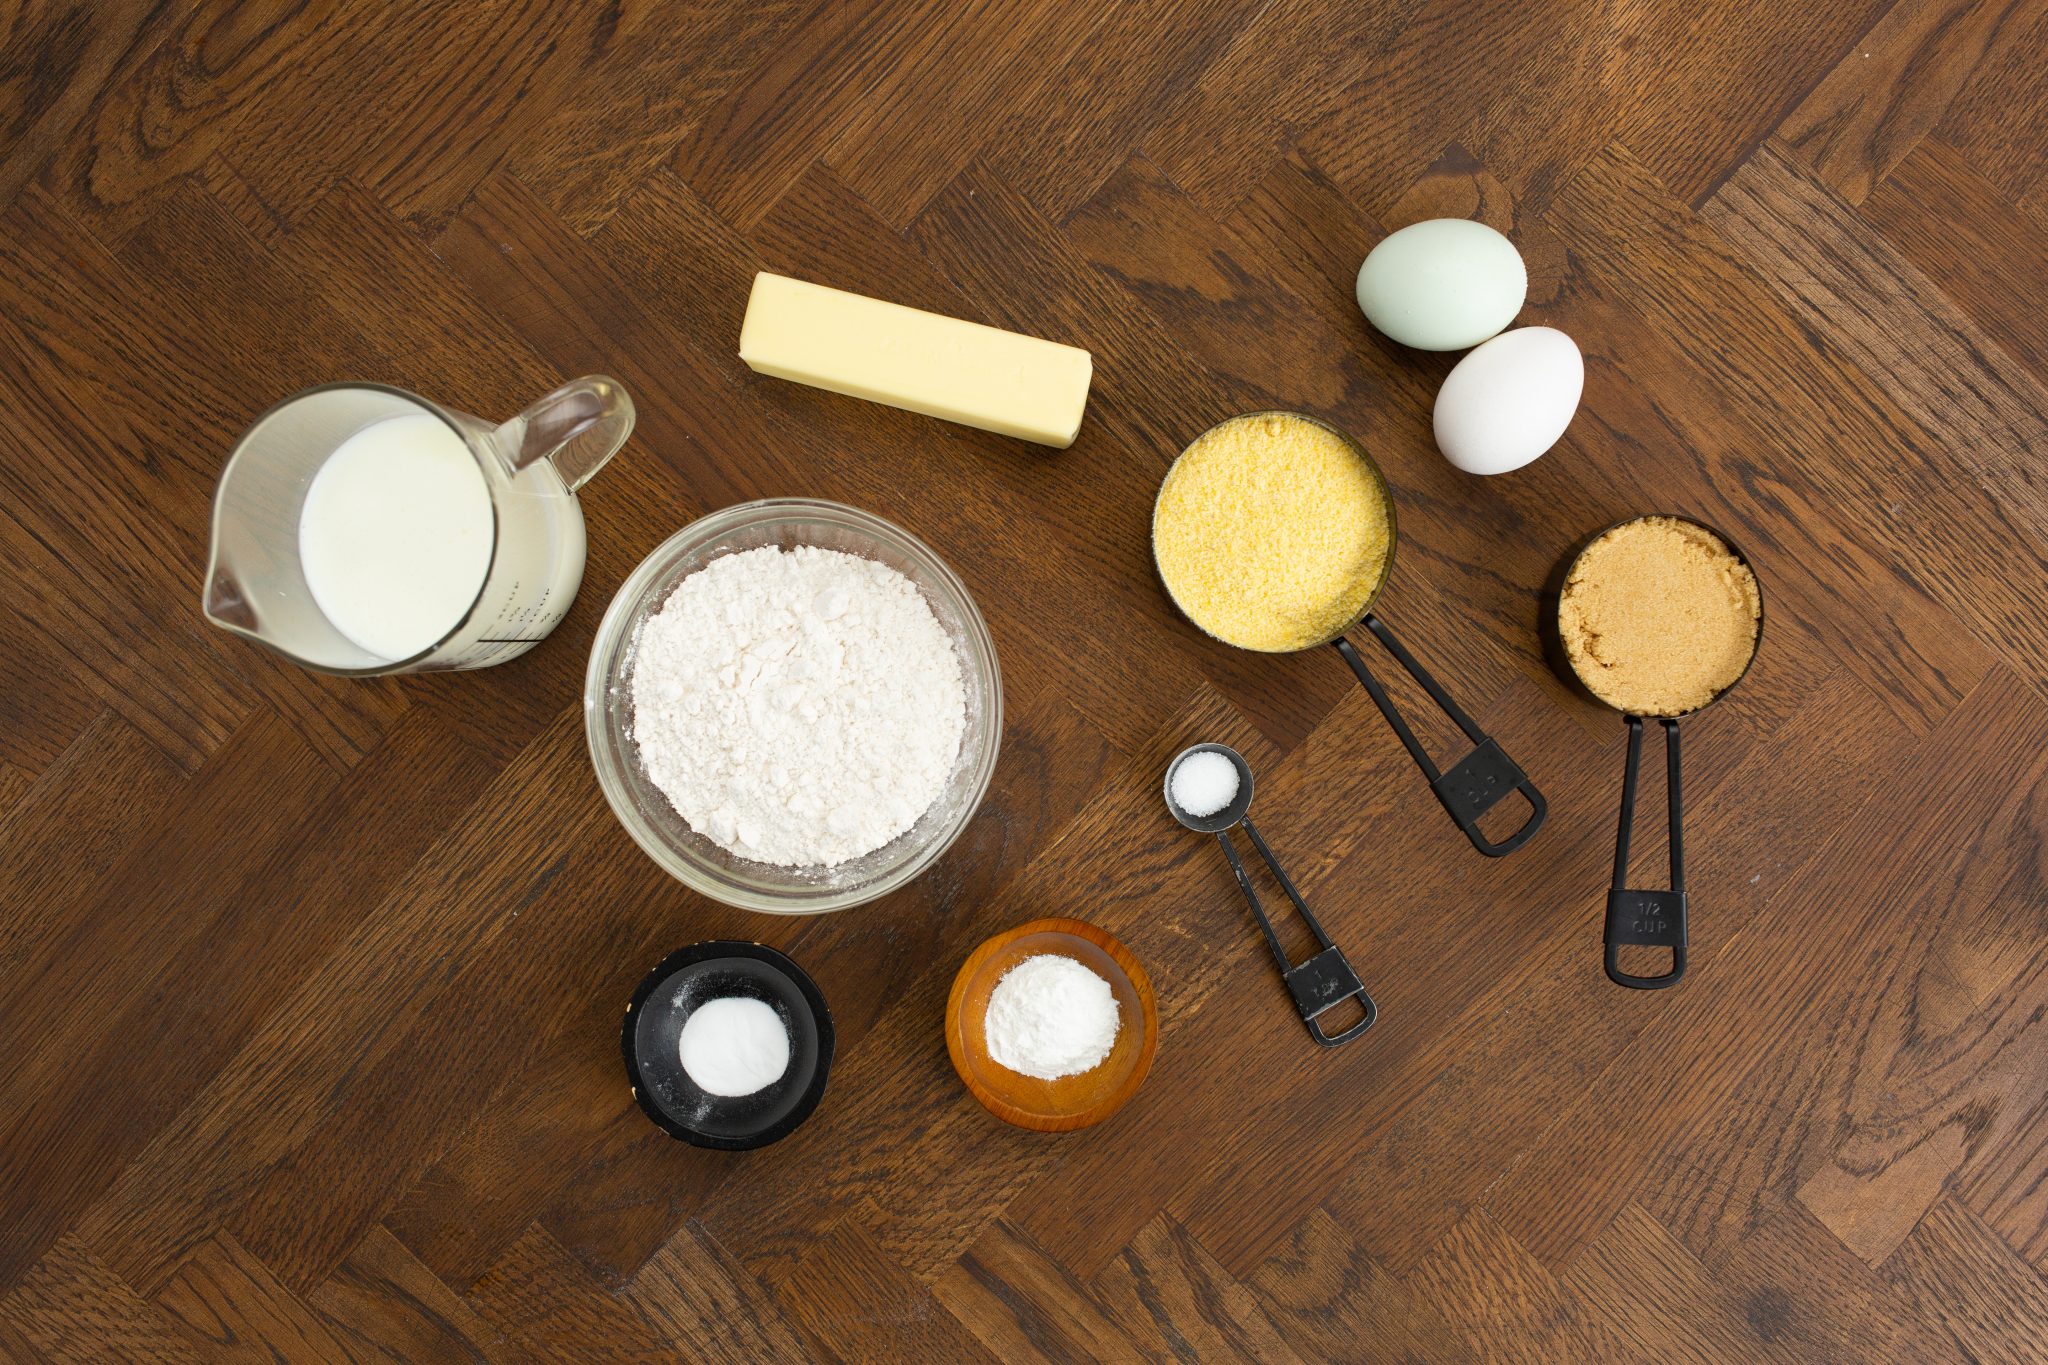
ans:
(1325, 978)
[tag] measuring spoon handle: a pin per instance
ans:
(1323, 979)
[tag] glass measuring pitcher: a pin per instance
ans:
(521, 534)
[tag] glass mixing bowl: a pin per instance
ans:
(646, 812)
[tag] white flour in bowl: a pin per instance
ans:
(798, 707)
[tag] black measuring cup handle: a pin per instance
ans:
(1372, 1014)
(1317, 982)
(1476, 783)
(1650, 918)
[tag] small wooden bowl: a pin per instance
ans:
(1072, 1101)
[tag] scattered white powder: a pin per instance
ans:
(1050, 1017)
(734, 1045)
(1204, 783)
(798, 707)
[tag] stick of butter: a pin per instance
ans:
(908, 358)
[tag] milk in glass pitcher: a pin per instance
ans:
(361, 529)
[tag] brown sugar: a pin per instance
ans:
(1659, 616)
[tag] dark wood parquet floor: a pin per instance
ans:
(311, 987)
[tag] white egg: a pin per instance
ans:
(1442, 285)
(1509, 401)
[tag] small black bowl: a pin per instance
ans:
(651, 1038)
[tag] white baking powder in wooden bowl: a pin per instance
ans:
(1049, 1016)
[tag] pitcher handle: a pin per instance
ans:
(576, 428)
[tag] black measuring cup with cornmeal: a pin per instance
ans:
(1657, 617)
(1275, 531)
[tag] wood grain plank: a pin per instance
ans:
(60, 58)
(941, 105)
(79, 818)
(172, 104)
(14, 789)
(1738, 1172)
(1173, 1300)
(384, 1308)
(72, 1307)
(467, 78)
(1997, 118)
(554, 964)
(1293, 65)
(1804, 1292)
(547, 1304)
(1667, 1305)
(1941, 214)
(196, 919)
(1991, 1303)
(1334, 1302)
(85, 1010)
(705, 1302)
(83, 614)
(238, 199)
(1950, 1096)
(1889, 91)
(1830, 267)
(1023, 1306)
(482, 89)
(1065, 135)
(844, 58)
(462, 894)
(2010, 1190)
(1504, 1301)
(236, 1311)
(655, 73)
(848, 1295)
(15, 1348)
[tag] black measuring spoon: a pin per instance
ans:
(1636, 916)
(1322, 980)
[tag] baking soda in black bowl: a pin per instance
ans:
(727, 1045)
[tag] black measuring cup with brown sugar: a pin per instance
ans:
(1638, 917)
(1485, 775)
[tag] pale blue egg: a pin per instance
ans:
(1442, 285)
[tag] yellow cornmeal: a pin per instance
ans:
(1659, 616)
(1271, 533)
